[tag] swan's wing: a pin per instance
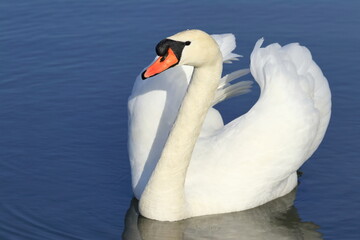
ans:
(257, 154)
(313, 83)
(296, 63)
(227, 44)
(294, 96)
(227, 90)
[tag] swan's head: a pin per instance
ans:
(191, 47)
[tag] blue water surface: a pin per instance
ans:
(66, 70)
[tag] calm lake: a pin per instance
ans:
(66, 70)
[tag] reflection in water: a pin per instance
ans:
(278, 219)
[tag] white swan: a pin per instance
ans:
(186, 163)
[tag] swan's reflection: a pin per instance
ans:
(275, 220)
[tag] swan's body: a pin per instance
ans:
(274, 220)
(196, 165)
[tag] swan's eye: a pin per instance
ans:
(164, 57)
(187, 43)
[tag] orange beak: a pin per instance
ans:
(161, 64)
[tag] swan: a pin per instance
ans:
(185, 162)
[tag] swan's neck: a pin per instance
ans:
(164, 196)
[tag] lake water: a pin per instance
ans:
(66, 70)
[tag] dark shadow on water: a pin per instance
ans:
(278, 219)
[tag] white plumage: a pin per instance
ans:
(254, 158)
